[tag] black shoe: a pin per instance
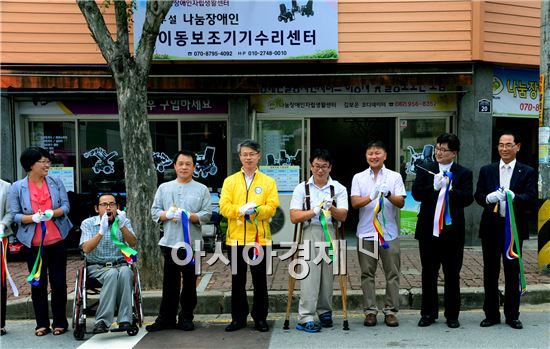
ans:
(186, 325)
(425, 321)
(235, 326)
(158, 326)
(326, 319)
(514, 324)
(3, 331)
(488, 322)
(100, 327)
(261, 325)
(453, 323)
(122, 327)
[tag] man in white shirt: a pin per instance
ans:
(375, 188)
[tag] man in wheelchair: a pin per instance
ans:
(107, 264)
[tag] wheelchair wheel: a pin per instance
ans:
(133, 331)
(138, 310)
(77, 301)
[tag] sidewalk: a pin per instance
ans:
(214, 285)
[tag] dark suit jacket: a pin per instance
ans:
(522, 183)
(460, 196)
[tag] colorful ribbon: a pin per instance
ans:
(442, 210)
(5, 272)
(128, 252)
(377, 226)
(511, 240)
(34, 276)
(328, 238)
(187, 232)
(254, 221)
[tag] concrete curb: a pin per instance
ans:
(216, 302)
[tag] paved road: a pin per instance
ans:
(210, 334)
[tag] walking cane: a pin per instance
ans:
(291, 279)
(343, 282)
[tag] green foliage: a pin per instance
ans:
(325, 54)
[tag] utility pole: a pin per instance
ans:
(544, 140)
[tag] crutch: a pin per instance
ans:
(342, 280)
(291, 279)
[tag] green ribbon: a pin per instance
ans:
(324, 225)
(128, 252)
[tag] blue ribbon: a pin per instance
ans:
(186, 233)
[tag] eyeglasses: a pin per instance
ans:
(506, 145)
(44, 162)
(105, 204)
(320, 167)
(249, 155)
(443, 150)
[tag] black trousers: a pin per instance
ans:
(54, 268)
(493, 252)
(176, 278)
(446, 251)
(239, 301)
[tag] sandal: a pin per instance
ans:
(58, 331)
(42, 331)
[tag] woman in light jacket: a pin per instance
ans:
(39, 205)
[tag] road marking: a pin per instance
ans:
(205, 279)
(113, 340)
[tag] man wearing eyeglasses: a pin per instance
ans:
(317, 200)
(248, 200)
(444, 188)
(496, 181)
(106, 263)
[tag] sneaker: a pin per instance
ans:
(326, 319)
(309, 326)
(158, 326)
(122, 327)
(100, 327)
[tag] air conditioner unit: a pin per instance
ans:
(282, 230)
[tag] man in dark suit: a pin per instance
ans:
(520, 180)
(442, 246)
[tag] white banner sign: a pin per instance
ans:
(245, 30)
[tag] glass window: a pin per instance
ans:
(417, 148)
(58, 138)
(208, 139)
(102, 166)
(164, 135)
(281, 142)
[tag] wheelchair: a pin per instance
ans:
(85, 286)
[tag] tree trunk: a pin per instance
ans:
(140, 172)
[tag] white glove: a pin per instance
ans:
(439, 181)
(493, 197)
(327, 203)
(374, 192)
(172, 213)
(121, 218)
(37, 217)
(48, 215)
(248, 208)
(104, 224)
(384, 189)
(316, 210)
(2, 229)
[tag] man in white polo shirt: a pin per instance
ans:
(382, 190)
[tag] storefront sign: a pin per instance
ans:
(66, 174)
(338, 104)
(287, 177)
(516, 92)
(245, 30)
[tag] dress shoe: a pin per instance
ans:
(261, 325)
(391, 320)
(186, 325)
(453, 323)
(158, 326)
(425, 321)
(235, 326)
(514, 324)
(489, 322)
(370, 320)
